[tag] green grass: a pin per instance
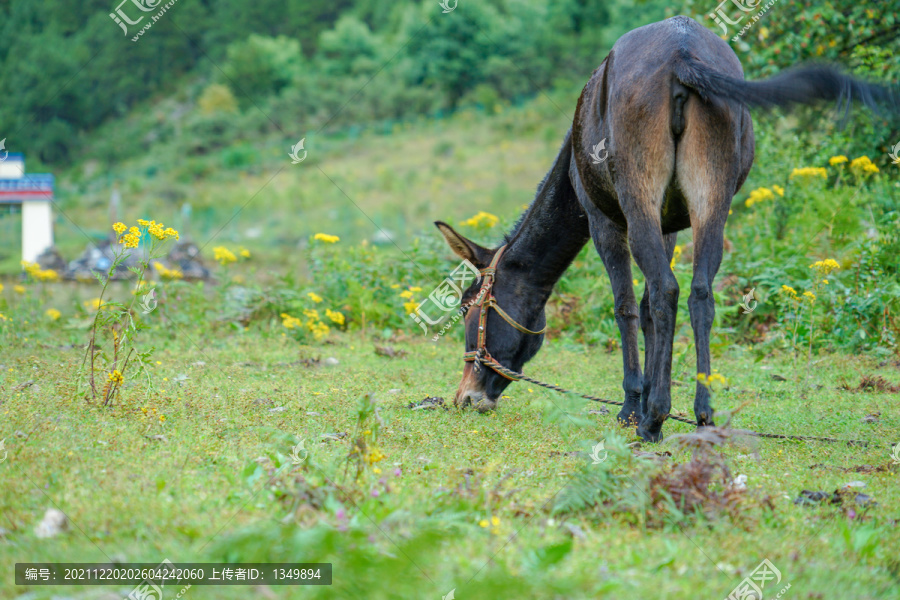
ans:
(200, 495)
(423, 170)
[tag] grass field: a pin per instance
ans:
(460, 500)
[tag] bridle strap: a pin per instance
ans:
(485, 301)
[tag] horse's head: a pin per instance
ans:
(504, 320)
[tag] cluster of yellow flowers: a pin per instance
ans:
(313, 322)
(223, 255)
(133, 238)
(116, 377)
(709, 381)
(481, 219)
(328, 239)
(39, 274)
(764, 193)
(792, 294)
(494, 524)
(407, 294)
(810, 172)
(837, 160)
(825, 267)
(863, 165)
(290, 322)
(314, 297)
(374, 455)
(335, 316)
(165, 273)
(52, 314)
(158, 230)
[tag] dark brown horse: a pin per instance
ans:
(669, 105)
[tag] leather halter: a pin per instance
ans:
(486, 300)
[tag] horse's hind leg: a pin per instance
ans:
(712, 160)
(647, 328)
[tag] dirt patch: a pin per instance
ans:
(429, 403)
(872, 383)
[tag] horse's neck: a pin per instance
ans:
(554, 228)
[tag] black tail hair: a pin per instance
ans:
(806, 84)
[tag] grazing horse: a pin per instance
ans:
(661, 141)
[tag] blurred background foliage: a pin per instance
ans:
(412, 115)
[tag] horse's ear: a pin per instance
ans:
(464, 248)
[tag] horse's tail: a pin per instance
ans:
(806, 84)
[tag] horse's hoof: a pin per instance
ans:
(650, 431)
(704, 419)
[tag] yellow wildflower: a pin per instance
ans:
(710, 381)
(758, 195)
(410, 306)
(245, 253)
(406, 294)
(328, 239)
(675, 256)
(1, 287)
(19, 289)
(4, 318)
(837, 160)
(92, 304)
(311, 313)
(810, 172)
(482, 219)
(394, 286)
(493, 523)
(131, 239)
(374, 455)
(290, 322)
(778, 190)
(314, 297)
(789, 291)
(809, 296)
(223, 255)
(53, 314)
(825, 267)
(863, 165)
(119, 228)
(165, 273)
(116, 377)
(39, 274)
(415, 288)
(335, 316)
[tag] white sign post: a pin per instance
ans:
(34, 192)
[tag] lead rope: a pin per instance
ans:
(510, 374)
